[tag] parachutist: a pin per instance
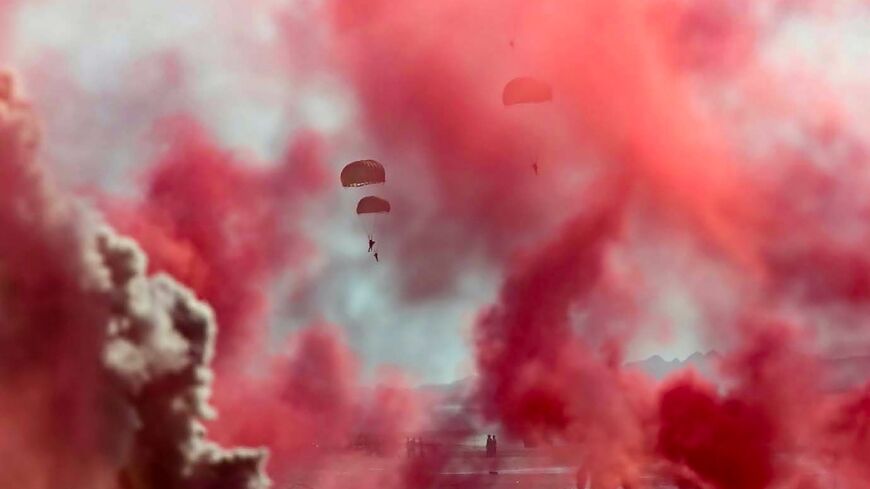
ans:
(376, 257)
(362, 173)
(535, 167)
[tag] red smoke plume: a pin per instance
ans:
(101, 366)
(224, 229)
(51, 338)
(311, 408)
(622, 74)
(228, 231)
(630, 81)
(438, 119)
(303, 406)
(724, 441)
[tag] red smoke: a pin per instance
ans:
(740, 439)
(723, 441)
(228, 231)
(223, 228)
(311, 408)
(51, 383)
(436, 95)
(438, 119)
(531, 328)
(105, 372)
(631, 136)
(622, 77)
(303, 406)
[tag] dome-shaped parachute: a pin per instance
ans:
(362, 172)
(526, 90)
(372, 205)
(369, 209)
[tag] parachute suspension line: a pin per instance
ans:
(536, 143)
(524, 90)
(362, 173)
(517, 17)
(370, 210)
(535, 160)
(513, 34)
(366, 227)
(369, 224)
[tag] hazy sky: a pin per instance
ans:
(96, 70)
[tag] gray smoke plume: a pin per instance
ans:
(103, 369)
(160, 345)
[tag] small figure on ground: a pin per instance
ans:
(491, 451)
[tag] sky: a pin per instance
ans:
(102, 74)
(112, 64)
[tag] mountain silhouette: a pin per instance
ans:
(840, 373)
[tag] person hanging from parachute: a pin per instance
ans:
(361, 173)
(527, 90)
(371, 208)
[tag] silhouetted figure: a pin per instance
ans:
(491, 451)
(535, 167)
(371, 244)
(376, 257)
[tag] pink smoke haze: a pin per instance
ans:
(678, 155)
(206, 218)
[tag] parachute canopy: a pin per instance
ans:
(372, 205)
(525, 90)
(362, 172)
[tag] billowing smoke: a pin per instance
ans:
(677, 154)
(639, 87)
(229, 230)
(223, 229)
(106, 372)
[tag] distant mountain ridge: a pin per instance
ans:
(659, 368)
(842, 372)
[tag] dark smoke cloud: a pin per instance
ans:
(105, 370)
